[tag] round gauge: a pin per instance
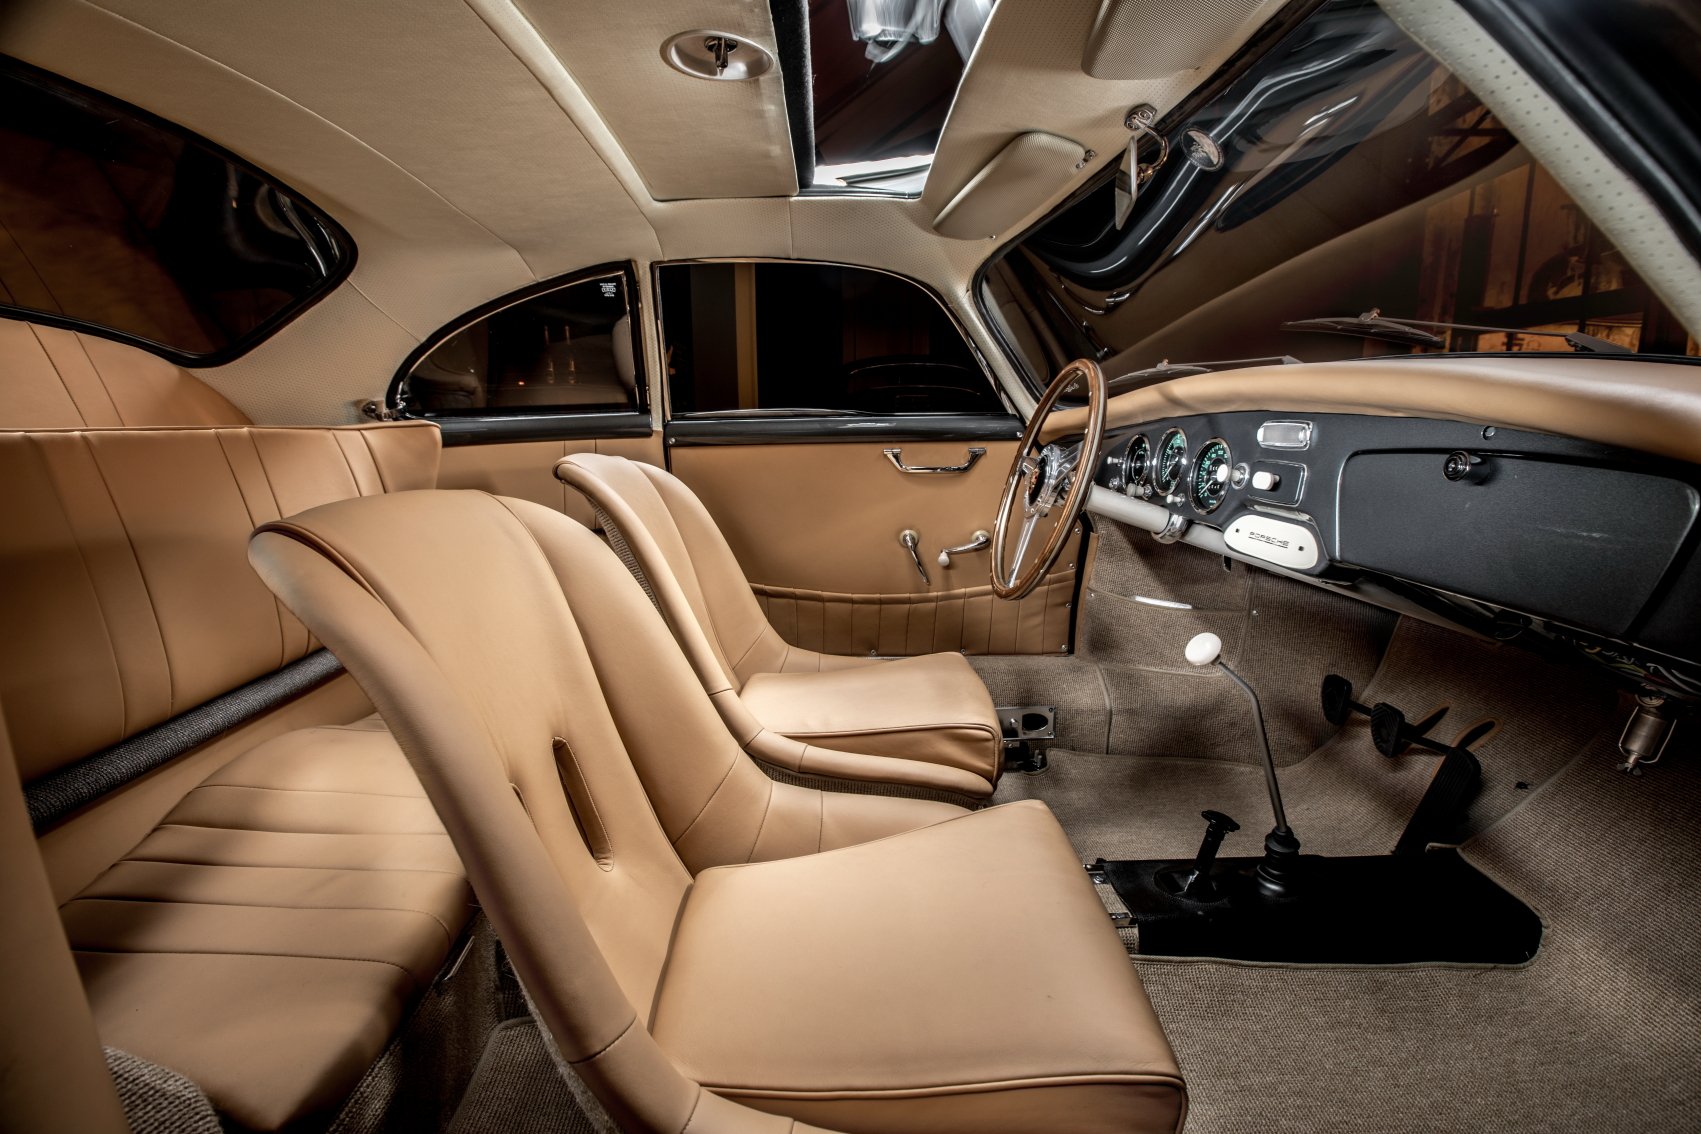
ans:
(1212, 470)
(1170, 462)
(1137, 466)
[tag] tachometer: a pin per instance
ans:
(1137, 467)
(1212, 469)
(1170, 463)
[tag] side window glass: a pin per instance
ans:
(813, 338)
(570, 348)
(117, 223)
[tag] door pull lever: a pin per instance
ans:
(896, 456)
(979, 542)
(912, 544)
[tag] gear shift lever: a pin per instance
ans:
(1281, 848)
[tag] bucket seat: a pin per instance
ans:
(958, 977)
(922, 722)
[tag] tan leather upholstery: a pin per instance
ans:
(127, 598)
(57, 379)
(759, 1004)
(815, 529)
(266, 939)
(520, 707)
(259, 913)
(52, 1075)
(970, 619)
(525, 470)
(923, 708)
(932, 711)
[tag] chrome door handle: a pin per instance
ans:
(981, 541)
(912, 542)
(896, 456)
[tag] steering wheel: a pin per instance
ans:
(1047, 483)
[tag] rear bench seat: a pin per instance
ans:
(258, 913)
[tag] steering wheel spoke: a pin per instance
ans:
(1044, 479)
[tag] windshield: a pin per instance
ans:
(1362, 192)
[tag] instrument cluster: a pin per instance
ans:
(1174, 473)
(1503, 531)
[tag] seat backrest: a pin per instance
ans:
(128, 597)
(538, 695)
(677, 550)
(57, 379)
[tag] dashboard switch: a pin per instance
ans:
(1265, 481)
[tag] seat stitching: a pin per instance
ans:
(142, 574)
(767, 806)
(287, 866)
(354, 478)
(725, 776)
(251, 906)
(601, 1051)
(377, 469)
(241, 953)
(94, 587)
(277, 604)
(99, 377)
(286, 831)
(313, 791)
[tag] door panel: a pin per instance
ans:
(816, 526)
(526, 469)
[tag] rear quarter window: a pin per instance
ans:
(115, 222)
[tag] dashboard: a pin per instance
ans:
(1506, 532)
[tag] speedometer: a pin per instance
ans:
(1137, 466)
(1212, 469)
(1170, 462)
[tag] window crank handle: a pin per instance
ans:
(980, 541)
(911, 541)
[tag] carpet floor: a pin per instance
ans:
(517, 1090)
(1600, 1033)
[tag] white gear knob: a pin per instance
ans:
(1203, 649)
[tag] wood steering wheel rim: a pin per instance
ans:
(1006, 582)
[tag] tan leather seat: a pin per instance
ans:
(268, 937)
(958, 977)
(259, 913)
(923, 722)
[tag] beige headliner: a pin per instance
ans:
(1650, 406)
(469, 152)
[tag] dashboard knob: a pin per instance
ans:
(1461, 465)
(1266, 481)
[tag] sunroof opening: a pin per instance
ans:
(884, 74)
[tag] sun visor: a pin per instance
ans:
(1152, 39)
(1020, 179)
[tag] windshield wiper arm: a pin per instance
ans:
(1375, 325)
(1370, 325)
